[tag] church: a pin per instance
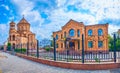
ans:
(20, 35)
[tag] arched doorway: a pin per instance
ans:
(72, 45)
(13, 46)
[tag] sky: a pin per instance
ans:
(47, 16)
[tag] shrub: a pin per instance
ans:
(9, 46)
(97, 60)
(23, 50)
(47, 49)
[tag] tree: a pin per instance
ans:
(8, 46)
(111, 43)
(118, 44)
(51, 43)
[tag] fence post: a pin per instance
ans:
(37, 49)
(114, 48)
(27, 49)
(82, 48)
(54, 49)
(21, 47)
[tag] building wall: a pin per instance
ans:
(83, 30)
(70, 25)
(95, 38)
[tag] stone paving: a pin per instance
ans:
(14, 64)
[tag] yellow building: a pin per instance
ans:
(21, 36)
(95, 37)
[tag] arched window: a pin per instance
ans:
(78, 33)
(13, 37)
(90, 32)
(100, 32)
(71, 32)
(100, 44)
(90, 44)
(61, 36)
(10, 37)
(56, 37)
(22, 27)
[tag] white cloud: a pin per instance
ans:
(113, 28)
(98, 10)
(4, 32)
(26, 9)
(6, 7)
(60, 3)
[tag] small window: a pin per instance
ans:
(100, 44)
(57, 45)
(78, 44)
(90, 44)
(100, 32)
(64, 34)
(10, 37)
(56, 37)
(90, 32)
(71, 32)
(61, 45)
(78, 33)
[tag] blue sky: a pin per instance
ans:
(46, 16)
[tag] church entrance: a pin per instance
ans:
(13, 46)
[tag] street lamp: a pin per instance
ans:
(37, 49)
(54, 40)
(67, 39)
(114, 36)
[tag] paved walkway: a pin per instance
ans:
(14, 64)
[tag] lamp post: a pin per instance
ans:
(82, 48)
(21, 47)
(114, 47)
(37, 49)
(54, 49)
(67, 45)
(27, 48)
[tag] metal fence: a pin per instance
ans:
(72, 56)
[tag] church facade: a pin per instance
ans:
(95, 37)
(20, 35)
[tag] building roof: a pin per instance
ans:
(71, 20)
(118, 31)
(23, 21)
(97, 25)
(12, 23)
